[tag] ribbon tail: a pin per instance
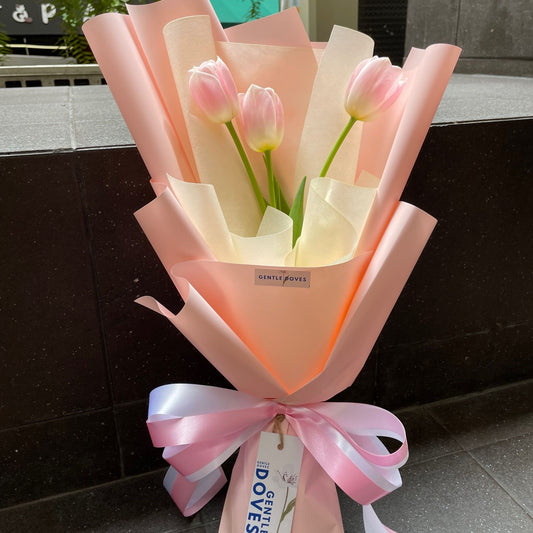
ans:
(372, 522)
(191, 496)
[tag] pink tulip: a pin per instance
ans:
(374, 86)
(213, 89)
(261, 118)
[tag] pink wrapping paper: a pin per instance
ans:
(362, 316)
(295, 347)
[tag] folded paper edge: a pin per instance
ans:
(380, 287)
(387, 273)
(220, 346)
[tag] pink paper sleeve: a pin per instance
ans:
(121, 60)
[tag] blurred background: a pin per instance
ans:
(496, 35)
(52, 29)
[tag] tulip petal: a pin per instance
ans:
(261, 118)
(213, 89)
(373, 87)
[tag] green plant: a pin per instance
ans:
(73, 14)
(4, 45)
(255, 9)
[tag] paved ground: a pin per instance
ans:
(470, 471)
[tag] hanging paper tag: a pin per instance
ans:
(275, 483)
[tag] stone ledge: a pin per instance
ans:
(68, 118)
(49, 75)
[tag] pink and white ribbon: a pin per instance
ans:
(201, 426)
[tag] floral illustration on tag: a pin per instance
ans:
(289, 480)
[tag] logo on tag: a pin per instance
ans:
(275, 484)
(283, 278)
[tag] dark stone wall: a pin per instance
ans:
(464, 320)
(385, 21)
(496, 35)
(79, 357)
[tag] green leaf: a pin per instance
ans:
(288, 509)
(4, 46)
(283, 204)
(72, 14)
(246, 162)
(255, 10)
(273, 186)
(297, 212)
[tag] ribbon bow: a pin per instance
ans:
(201, 426)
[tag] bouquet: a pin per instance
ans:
(277, 165)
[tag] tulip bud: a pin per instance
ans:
(374, 86)
(261, 118)
(213, 89)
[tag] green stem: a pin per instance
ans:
(271, 185)
(340, 140)
(247, 166)
(284, 504)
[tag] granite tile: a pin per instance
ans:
(144, 349)
(496, 28)
(46, 136)
(137, 451)
(53, 362)
(133, 505)
(484, 419)
(115, 183)
(510, 463)
(97, 108)
(423, 27)
(29, 95)
(434, 370)
(451, 493)
(96, 118)
(496, 67)
(476, 97)
(37, 113)
(109, 132)
(475, 272)
(426, 437)
(90, 93)
(385, 22)
(363, 389)
(352, 514)
(40, 460)
(210, 515)
(34, 119)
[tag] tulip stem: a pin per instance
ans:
(247, 166)
(335, 149)
(272, 193)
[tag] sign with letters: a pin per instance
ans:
(33, 17)
(29, 17)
